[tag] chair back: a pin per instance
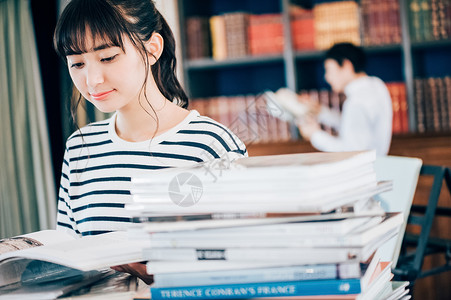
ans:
(404, 172)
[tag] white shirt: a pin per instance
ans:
(366, 119)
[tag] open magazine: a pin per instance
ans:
(284, 104)
(51, 255)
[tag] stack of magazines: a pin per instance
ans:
(301, 225)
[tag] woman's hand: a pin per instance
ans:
(136, 269)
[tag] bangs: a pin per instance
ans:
(82, 17)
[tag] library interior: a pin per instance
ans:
(292, 200)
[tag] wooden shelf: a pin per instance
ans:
(209, 63)
(383, 48)
(431, 44)
(432, 148)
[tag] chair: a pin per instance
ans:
(410, 263)
(404, 172)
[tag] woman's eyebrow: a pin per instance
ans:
(103, 46)
(98, 48)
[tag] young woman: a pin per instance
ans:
(121, 58)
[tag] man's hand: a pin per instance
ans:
(314, 107)
(135, 269)
(307, 127)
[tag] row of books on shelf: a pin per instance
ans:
(433, 104)
(380, 22)
(430, 19)
(254, 120)
(302, 225)
(372, 22)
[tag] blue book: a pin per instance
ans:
(255, 290)
(271, 274)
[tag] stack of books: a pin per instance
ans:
(336, 22)
(229, 35)
(265, 34)
(197, 37)
(400, 107)
(433, 104)
(380, 22)
(429, 20)
(302, 28)
(271, 226)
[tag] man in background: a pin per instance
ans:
(366, 119)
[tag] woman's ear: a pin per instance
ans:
(155, 47)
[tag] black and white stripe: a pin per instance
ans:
(98, 167)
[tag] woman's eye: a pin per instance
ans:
(108, 59)
(77, 65)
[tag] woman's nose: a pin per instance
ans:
(94, 75)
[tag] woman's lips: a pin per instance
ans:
(101, 96)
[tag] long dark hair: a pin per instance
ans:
(109, 20)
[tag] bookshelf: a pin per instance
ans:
(404, 56)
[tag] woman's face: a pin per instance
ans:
(109, 78)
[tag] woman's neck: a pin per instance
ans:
(142, 121)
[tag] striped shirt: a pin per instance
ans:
(98, 166)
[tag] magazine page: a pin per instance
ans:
(87, 253)
(34, 239)
(62, 259)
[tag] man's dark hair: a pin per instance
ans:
(340, 52)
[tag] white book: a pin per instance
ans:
(156, 227)
(60, 249)
(247, 190)
(301, 166)
(334, 255)
(268, 236)
(190, 242)
(290, 255)
(272, 274)
(304, 229)
(265, 202)
(250, 178)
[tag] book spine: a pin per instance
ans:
(394, 20)
(236, 34)
(425, 20)
(272, 289)
(445, 17)
(415, 20)
(404, 108)
(385, 22)
(443, 107)
(419, 105)
(434, 111)
(448, 98)
(218, 37)
(289, 273)
(265, 34)
(365, 12)
(396, 106)
(303, 30)
(435, 19)
(197, 38)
